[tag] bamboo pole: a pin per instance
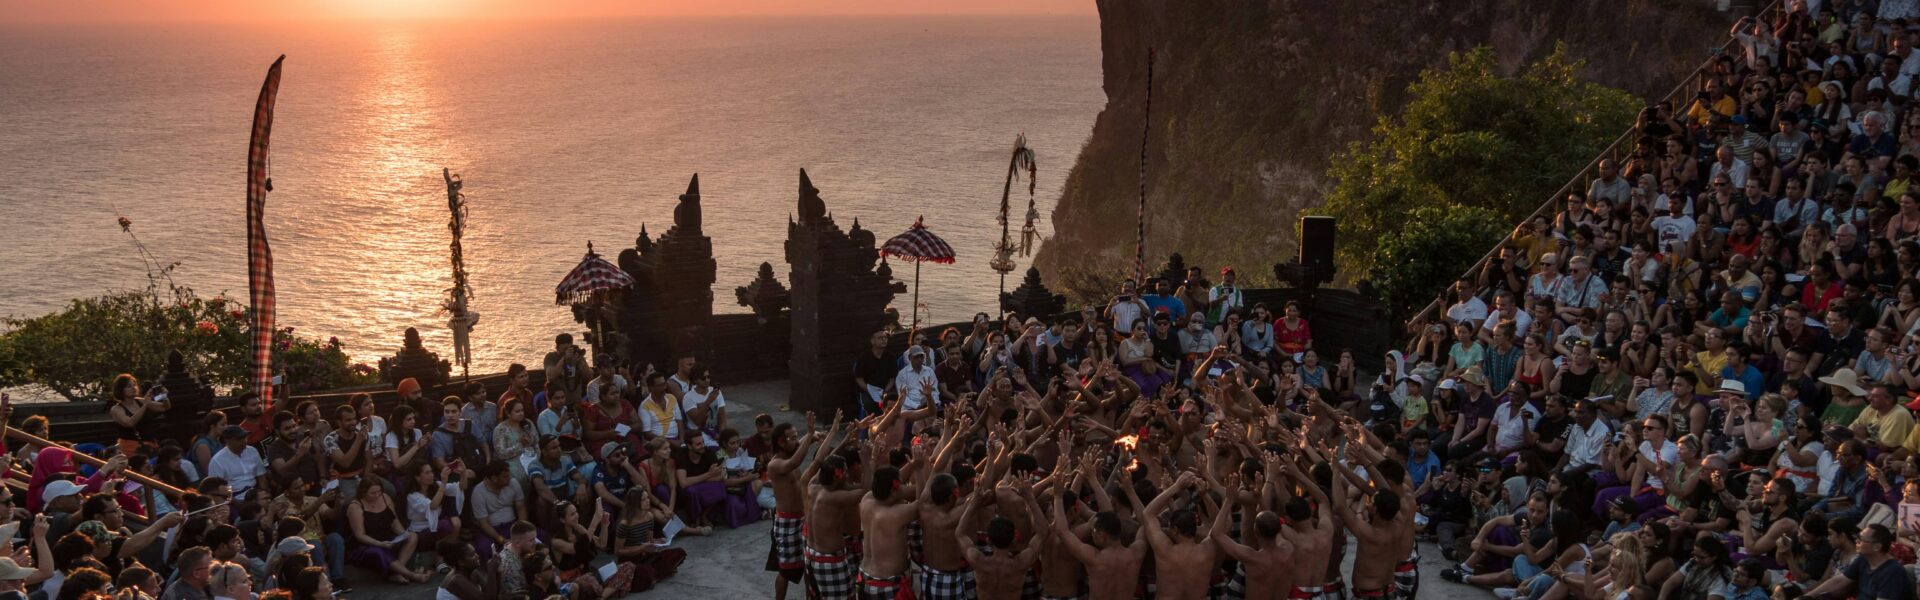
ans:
(23, 436)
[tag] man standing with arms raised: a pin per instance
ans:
(1001, 575)
(884, 515)
(1113, 567)
(1311, 536)
(789, 509)
(1185, 561)
(830, 565)
(1268, 561)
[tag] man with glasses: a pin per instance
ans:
(1582, 291)
(1873, 573)
(195, 576)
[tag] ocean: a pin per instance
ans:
(565, 133)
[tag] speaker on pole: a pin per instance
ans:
(1316, 247)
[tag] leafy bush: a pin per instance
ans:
(1468, 138)
(1435, 246)
(77, 352)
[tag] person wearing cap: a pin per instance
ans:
(238, 463)
(918, 387)
(1884, 424)
(60, 502)
(13, 578)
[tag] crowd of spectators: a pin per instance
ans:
(1706, 363)
(573, 491)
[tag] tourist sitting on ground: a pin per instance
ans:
(554, 477)
(295, 451)
(636, 540)
(497, 503)
(509, 561)
(700, 482)
(515, 441)
(380, 540)
(236, 462)
(452, 445)
(434, 501)
(574, 547)
(404, 444)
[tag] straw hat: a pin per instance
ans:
(1846, 379)
(1474, 376)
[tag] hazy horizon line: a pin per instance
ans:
(343, 20)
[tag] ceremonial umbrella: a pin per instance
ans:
(919, 245)
(591, 283)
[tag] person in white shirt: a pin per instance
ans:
(1512, 421)
(705, 406)
(914, 381)
(239, 464)
(1466, 306)
(1586, 439)
(1126, 308)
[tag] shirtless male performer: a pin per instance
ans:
(1268, 558)
(1392, 554)
(1381, 551)
(830, 565)
(783, 470)
(1311, 536)
(1062, 577)
(884, 515)
(944, 574)
(1184, 562)
(1113, 567)
(1003, 574)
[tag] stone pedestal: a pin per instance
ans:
(839, 299)
(764, 295)
(415, 361)
(1033, 299)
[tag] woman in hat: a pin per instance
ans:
(1848, 398)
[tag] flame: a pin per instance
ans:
(1127, 442)
(1133, 466)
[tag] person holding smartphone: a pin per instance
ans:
(130, 410)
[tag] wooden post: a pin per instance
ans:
(23, 436)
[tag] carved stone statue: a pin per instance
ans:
(461, 324)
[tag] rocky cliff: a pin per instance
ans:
(1252, 97)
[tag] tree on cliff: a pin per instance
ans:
(1471, 153)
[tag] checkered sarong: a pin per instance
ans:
(1406, 577)
(916, 541)
(784, 553)
(1236, 587)
(936, 584)
(830, 576)
(1333, 590)
(882, 588)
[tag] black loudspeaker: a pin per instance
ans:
(1316, 246)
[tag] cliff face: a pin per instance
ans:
(1252, 97)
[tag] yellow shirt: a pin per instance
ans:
(1536, 246)
(1710, 364)
(1889, 429)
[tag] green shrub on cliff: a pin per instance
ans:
(1472, 148)
(76, 352)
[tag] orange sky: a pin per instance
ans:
(107, 11)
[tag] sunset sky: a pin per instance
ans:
(121, 11)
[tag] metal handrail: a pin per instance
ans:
(1585, 175)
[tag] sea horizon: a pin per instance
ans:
(565, 132)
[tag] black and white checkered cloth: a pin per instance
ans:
(1406, 577)
(784, 553)
(936, 584)
(830, 576)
